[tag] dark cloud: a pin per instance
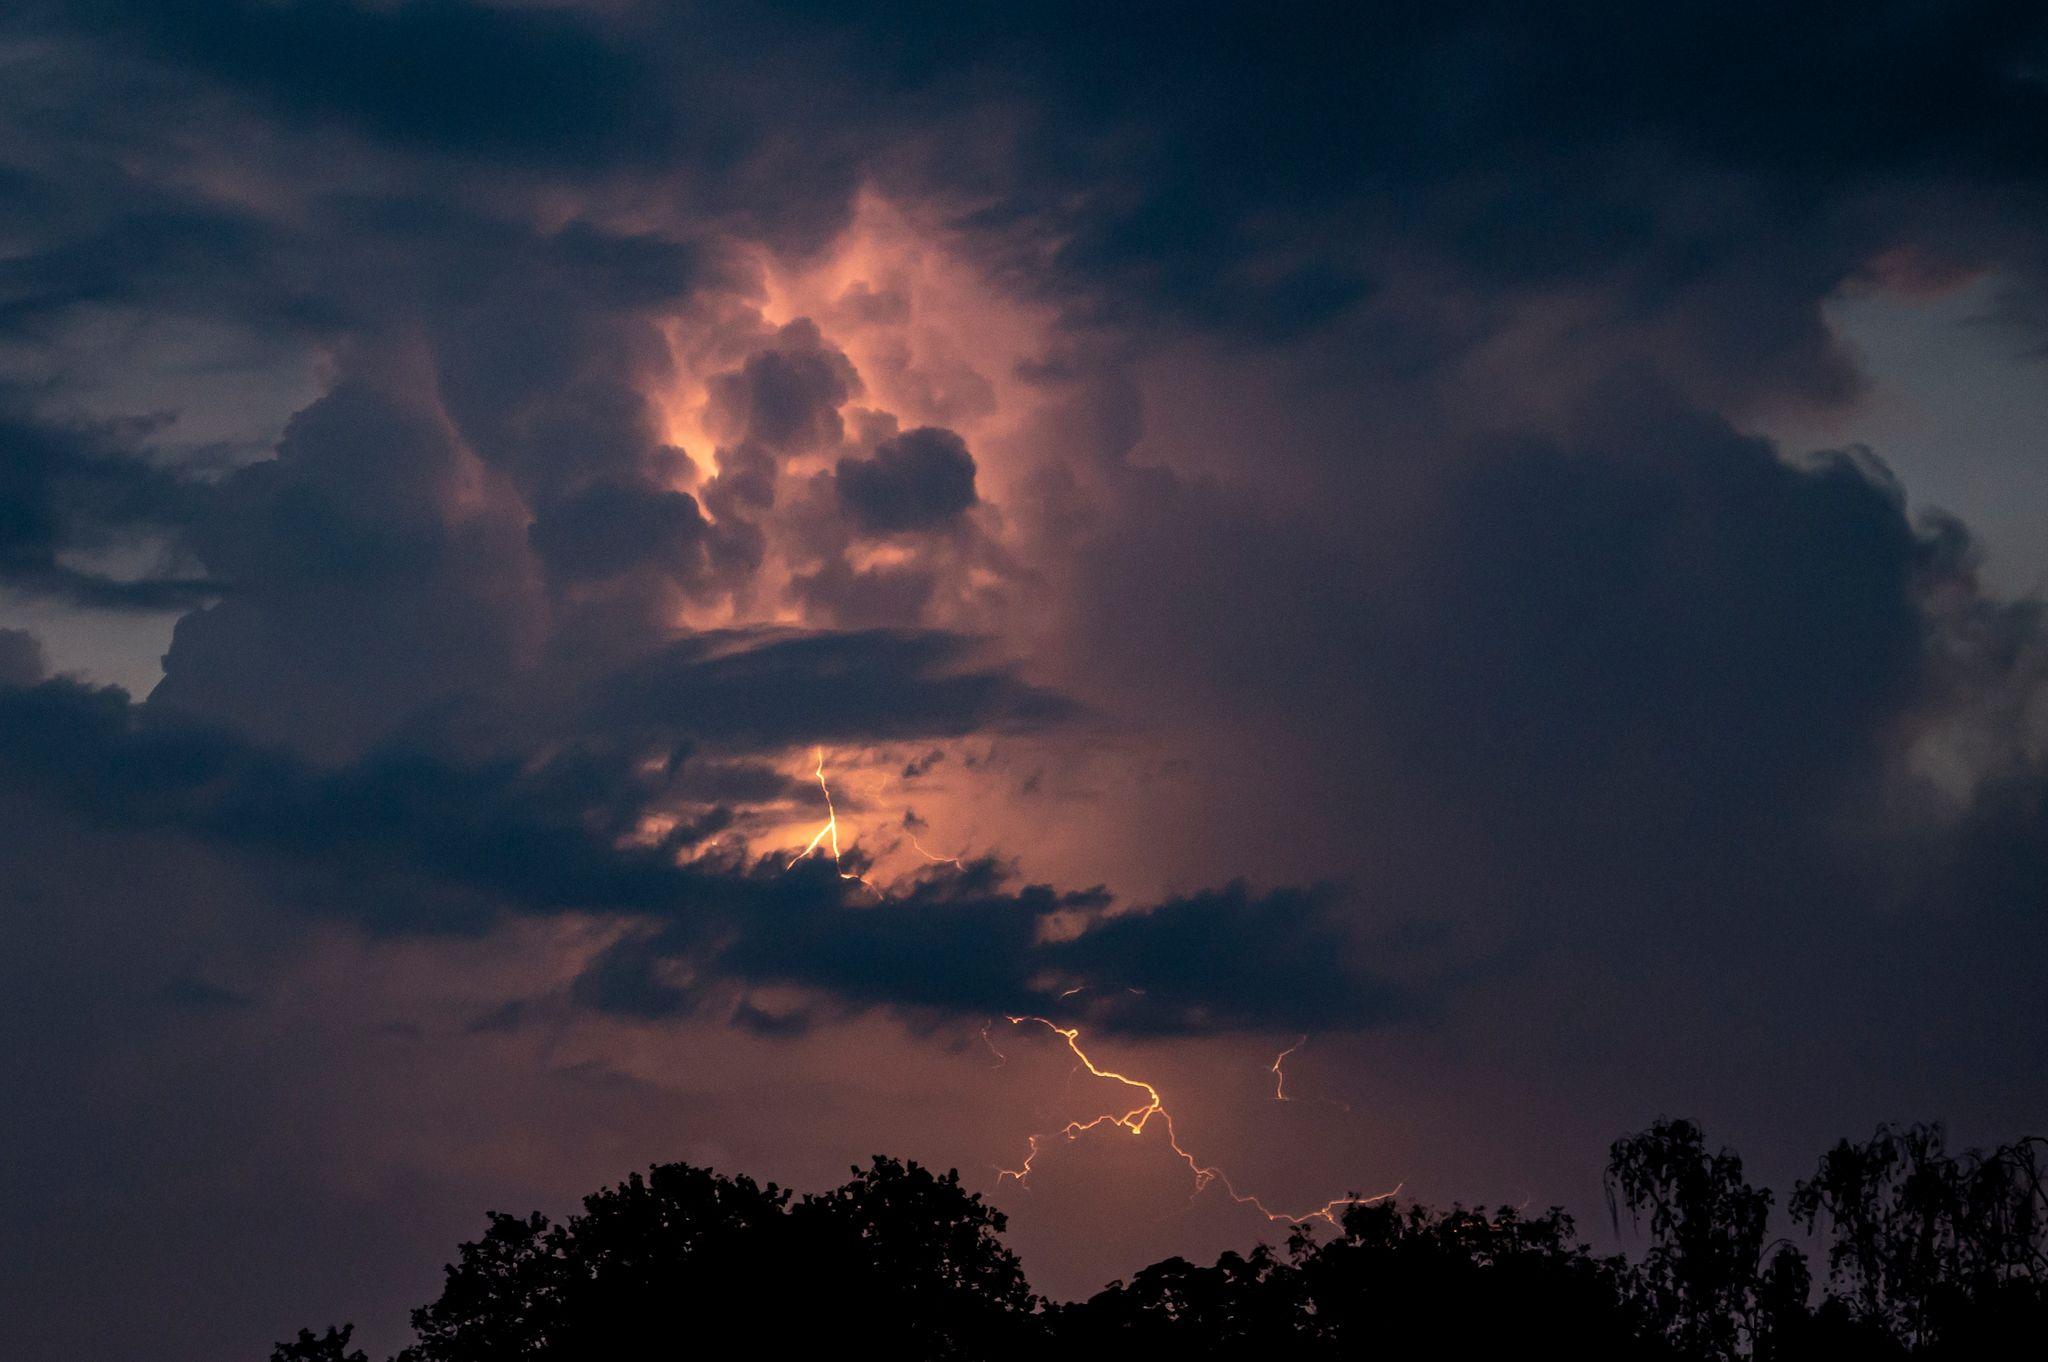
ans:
(867, 598)
(1657, 738)
(1710, 646)
(1680, 625)
(473, 77)
(67, 493)
(21, 658)
(444, 846)
(197, 995)
(786, 396)
(920, 480)
(771, 688)
(608, 529)
(359, 593)
(1233, 959)
(1531, 151)
(964, 942)
(1673, 618)
(408, 842)
(960, 942)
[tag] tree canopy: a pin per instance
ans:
(1929, 1255)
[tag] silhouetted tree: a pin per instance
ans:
(1247, 1305)
(897, 1256)
(1781, 1320)
(642, 1256)
(503, 1297)
(1932, 1257)
(914, 1262)
(1420, 1282)
(1703, 1269)
(1395, 1282)
(331, 1346)
(1929, 1247)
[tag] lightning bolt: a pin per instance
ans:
(1137, 1117)
(829, 834)
(953, 861)
(1279, 1077)
(1001, 1058)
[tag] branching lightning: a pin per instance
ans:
(1136, 1118)
(831, 828)
(827, 837)
(829, 834)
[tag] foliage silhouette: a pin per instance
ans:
(330, 1346)
(1417, 1282)
(1704, 1268)
(1930, 1256)
(1928, 1247)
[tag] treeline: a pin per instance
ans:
(1928, 1255)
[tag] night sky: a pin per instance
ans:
(1496, 547)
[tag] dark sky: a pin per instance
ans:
(1502, 539)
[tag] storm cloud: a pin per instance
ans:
(919, 480)
(409, 841)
